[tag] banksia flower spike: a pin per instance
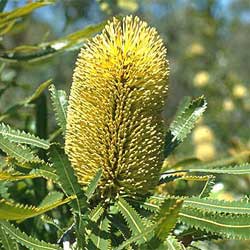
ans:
(114, 116)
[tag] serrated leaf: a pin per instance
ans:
(132, 218)
(243, 168)
(22, 137)
(207, 187)
(59, 102)
(134, 239)
(45, 173)
(5, 176)
(25, 240)
(70, 186)
(184, 122)
(226, 225)
(100, 237)
(167, 217)
(96, 213)
(232, 169)
(51, 198)
(12, 211)
(168, 176)
(4, 190)
(20, 152)
(219, 206)
(173, 244)
(7, 242)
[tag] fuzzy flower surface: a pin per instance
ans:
(114, 117)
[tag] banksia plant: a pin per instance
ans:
(112, 161)
(114, 115)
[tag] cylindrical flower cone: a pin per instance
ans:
(114, 117)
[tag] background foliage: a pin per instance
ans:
(208, 48)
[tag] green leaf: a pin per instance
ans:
(59, 102)
(96, 213)
(9, 18)
(207, 187)
(173, 244)
(212, 205)
(12, 211)
(5, 176)
(134, 239)
(7, 242)
(232, 169)
(13, 109)
(93, 184)
(19, 152)
(45, 173)
(189, 112)
(37, 92)
(167, 217)
(25, 240)
(100, 237)
(226, 225)
(22, 137)
(243, 168)
(70, 186)
(132, 218)
(51, 198)
(4, 190)
(42, 51)
(66, 175)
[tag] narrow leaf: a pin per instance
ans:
(51, 198)
(232, 169)
(7, 242)
(187, 115)
(12, 211)
(101, 237)
(73, 41)
(212, 205)
(19, 152)
(167, 217)
(173, 244)
(7, 18)
(59, 102)
(25, 240)
(226, 225)
(13, 109)
(93, 184)
(66, 176)
(22, 137)
(5, 176)
(96, 213)
(132, 218)
(134, 239)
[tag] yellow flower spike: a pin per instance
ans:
(114, 115)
